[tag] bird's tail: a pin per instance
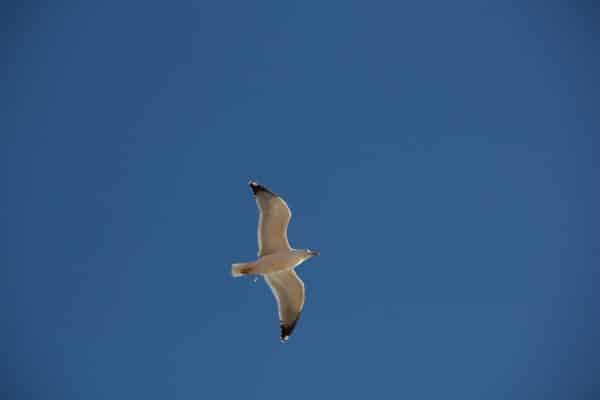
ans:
(240, 269)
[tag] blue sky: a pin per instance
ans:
(442, 157)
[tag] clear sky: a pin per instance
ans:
(442, 156)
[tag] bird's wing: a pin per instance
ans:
(273, 220)
(288, 289)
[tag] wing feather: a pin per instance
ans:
(273, 221)
(288, 289)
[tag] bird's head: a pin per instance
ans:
(311, 253)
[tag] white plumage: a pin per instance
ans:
(276, 259)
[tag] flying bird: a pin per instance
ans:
(276, 259)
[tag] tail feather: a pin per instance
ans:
(241, 269)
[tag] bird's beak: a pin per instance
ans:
(314, 253)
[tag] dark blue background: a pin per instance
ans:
(442, 156)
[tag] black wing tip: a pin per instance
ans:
(287, 329)
(256, 188)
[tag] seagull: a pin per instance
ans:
(276, 259)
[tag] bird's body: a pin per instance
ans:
(277, 260)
